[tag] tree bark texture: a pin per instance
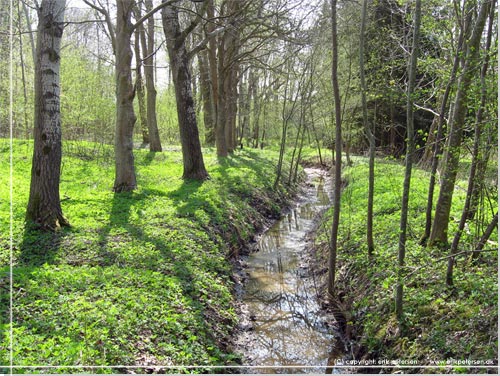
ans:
(44, 206)
(139, 83)
(194, 167)
(148, 45)
(437, 139)
(212, 64)
(228, 66)
(439, 233)
(220, 127)
(125, 179)
(207, 98)
(472, 183)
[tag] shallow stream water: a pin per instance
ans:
(285, 328)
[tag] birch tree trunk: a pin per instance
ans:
(44, 205)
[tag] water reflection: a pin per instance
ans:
(281, 295)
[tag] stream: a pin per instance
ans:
(284, 329)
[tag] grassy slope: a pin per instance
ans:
(139, 278)
(442, 323)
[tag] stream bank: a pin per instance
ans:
(443, 327)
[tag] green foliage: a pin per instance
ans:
(140, 278)
(167, 116)
(87, 97)
(441, 323)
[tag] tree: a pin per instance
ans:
(194, 167)
(472, 184)
(148, 45)
(207, 97)
(125, 179)
(44, 205)
(437, 140)
(139, 80)
(410, 149)
(439, 233)
(290, 103)
(368, 131)
(332, 260)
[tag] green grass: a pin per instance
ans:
(441, 323)
(139, 278)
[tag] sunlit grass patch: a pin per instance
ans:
(141, 277)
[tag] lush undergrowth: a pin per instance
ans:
(140, 278)
(440, 323)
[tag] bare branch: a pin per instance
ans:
(141, 20)
(202, 44)
(111, 28)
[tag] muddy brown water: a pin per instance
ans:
(284, 329)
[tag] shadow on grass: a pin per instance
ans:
(128, 231)
(149, 158)
(42, 247)
(246, 158)
(185, 198)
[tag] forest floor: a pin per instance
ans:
(458, 325)
(139, 278)
(143, 278)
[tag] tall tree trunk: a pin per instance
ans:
(207, 98)
(228, 66)
(332, 259)
(485, 145)
(228, 109)
(194, 167)
(125, 179)
(44, 206)
(256, 109)
(410, 149)
(148, 46)
(472, 184)
(368, 132)
(231, 90)
(439, 233)
(245, 98)
(212, 64)
(220, 128)
(438, 137)
(139, 81)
